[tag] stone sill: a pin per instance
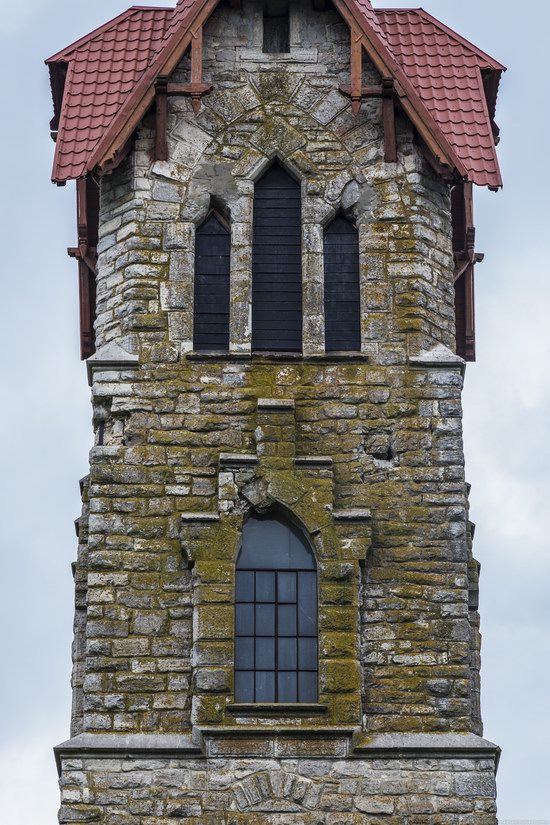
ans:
(311, 731)
(324, 357)
(283, 709)
(298, 55)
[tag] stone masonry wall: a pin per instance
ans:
(278, 791)
(292, 111)
(187, 445)
(394, 433)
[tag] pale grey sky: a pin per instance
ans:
(45, 430)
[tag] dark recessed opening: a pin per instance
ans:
(276, 28)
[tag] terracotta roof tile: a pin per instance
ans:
(105, 67)
(446, 72)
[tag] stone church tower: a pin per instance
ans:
(276, 597)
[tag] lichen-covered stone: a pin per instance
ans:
(165, 502)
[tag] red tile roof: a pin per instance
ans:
(182, 11)
(105, 69)
(366, 9)
(445, 70)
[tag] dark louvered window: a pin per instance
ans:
(342, 298)
(212, 260)
(276, 657)
(277, 263)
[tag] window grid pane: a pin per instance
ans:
(276, 651)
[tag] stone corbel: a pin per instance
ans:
(111, 357)
(439, 357)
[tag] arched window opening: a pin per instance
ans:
(277, 263)
(342, 295)
(212, 266)
(276, 636)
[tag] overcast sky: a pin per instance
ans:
(45, 430)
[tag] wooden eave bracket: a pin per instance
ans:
(356, 91)
(86, 254)
(195, 90)
(468, 257)
(161, 124)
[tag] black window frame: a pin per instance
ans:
(263, 682)
(342, 286)
(211, 288)
(277, 265)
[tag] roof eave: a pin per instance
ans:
(411, 102)
(68, 50)
(141, 99)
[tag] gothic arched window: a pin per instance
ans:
(342, 296)
(276, 657)
(277, 263)
(212, 266)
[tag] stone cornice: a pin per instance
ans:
(363, 745)
(120, 744)
(423, 745)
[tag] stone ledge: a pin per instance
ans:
(270, 357)
(276, 709)
(125, 744)
(255, 731)
(276, 405)
(438, 357)
(220, 355)
(423, 745)
(363, 746)
(301, 55)
(205, 517)
(314, 461)
(352, 515)
(111, 357)
(238, 460)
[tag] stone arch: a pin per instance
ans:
(277, 792)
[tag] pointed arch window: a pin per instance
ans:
(212, 267)
(276, 636)
(277, 263)
(342, 294)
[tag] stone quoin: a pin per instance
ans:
(276, 595)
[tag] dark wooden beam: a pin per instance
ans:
(388, 114)
(187, 89)
(87, 219)
(470, 325)
(87, 302)
(82, 215)
(465, 259)
(196, 68)
(320, 5)
(366, 91)
(161, 141)
(356, 70)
